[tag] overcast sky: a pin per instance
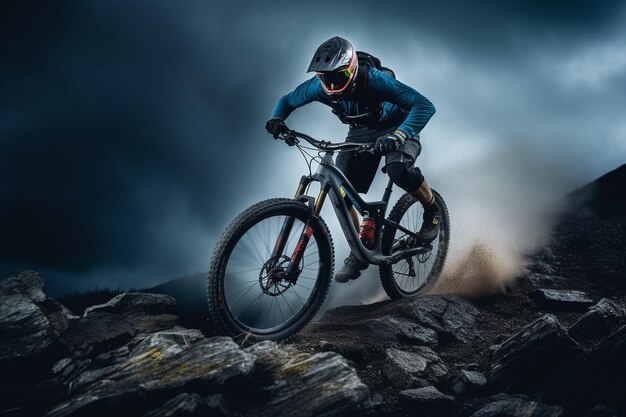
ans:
(131, 133)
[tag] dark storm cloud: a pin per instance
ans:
(131, 132)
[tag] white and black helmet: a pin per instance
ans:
(335, 63)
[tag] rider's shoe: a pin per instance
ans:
(351, 270)
(430, 227)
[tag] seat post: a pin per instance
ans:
(388, 190)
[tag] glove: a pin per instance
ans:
(276, 126)
(389, 142)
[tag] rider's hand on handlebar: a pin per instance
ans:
(388, 143)
(276, 127)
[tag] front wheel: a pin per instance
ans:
(408, 277)
(249, 294)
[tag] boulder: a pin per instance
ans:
(169, 342)
(596, 378)
(567, 299)
(504, 405)
(139, 384)
(29, 321)
(25, 330)
(418, 335)
(113, 324)
(314, 385)
(27, 283)
(190, 405)
(392, 328)
(452, 318)
(418, 368)
(598, 322)
(135, 302)
(427, 400)
(469, 382)
(270, 355)
(535, 350)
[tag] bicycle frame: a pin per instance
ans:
(334, 183)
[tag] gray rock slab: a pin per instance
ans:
(599, 321)
(417, 368)
(27, 283)
(145, 380)
(110, 325)
(468, 382)
(429, 395)
(452, 318)
(321, 384)
(563, 298)
(535, 349)
(145, 303)
(169, 342)
(25, 330)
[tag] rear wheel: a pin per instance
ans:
(409, 277)
(248, 293)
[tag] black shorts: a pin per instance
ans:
(360, 169)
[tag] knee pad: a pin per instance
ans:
(405, 176)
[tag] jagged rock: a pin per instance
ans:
(315, 385)
(468, 381)
(452, 318)
(571, 299)
(29, 321)
(418, 368)
(27, 283)
(209, 365)
(597, 376)
(427, 400)
(270, 355)
(390, 328)
(517, 406)
(25, 330)
(190, 405)
(602, 411)
(112, 324)
(598, 322)
(169, 342)
(534, 350)
(418, 335)
(128, 303)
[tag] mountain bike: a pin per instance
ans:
(272, 267)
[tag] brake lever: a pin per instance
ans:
(290, 138)
(367, 149)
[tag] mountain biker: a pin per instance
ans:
(378, 109)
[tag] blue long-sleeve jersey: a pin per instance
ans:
(383, 99)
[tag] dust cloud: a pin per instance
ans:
(482, 271)
(503, 207)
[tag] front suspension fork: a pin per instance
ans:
(285, 230)
(296, 258)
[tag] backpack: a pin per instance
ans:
(368, 60)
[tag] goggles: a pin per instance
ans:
(338, 81)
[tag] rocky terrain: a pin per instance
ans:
(553, 345)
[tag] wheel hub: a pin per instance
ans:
(273, 276)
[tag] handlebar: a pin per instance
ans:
(291, 137)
